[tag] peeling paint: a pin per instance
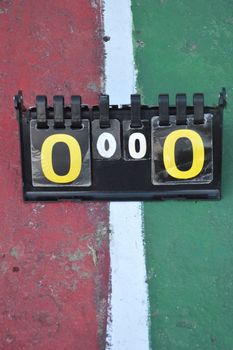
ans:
(94, 4)
(3, 11)
(3, 267)
(14, 252)
(101, 233)
(38, 207)
(92, 86)
(76, 255)
(75, 268)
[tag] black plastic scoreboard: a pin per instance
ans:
(128, 152)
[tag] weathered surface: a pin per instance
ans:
(186, 46)
(54, 256)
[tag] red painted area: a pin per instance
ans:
(53, 256)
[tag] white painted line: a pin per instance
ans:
(119, 64)
(128, 325)
(128, 320)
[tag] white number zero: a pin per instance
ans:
(109, 139)
(137, 136)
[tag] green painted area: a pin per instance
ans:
(187, 46)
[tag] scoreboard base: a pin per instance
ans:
(122, 196)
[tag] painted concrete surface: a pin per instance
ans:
(54, 262)
(184, 46)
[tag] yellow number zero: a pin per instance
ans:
(169, 154)
(75, 158)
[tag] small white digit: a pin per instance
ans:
(106, 145)
(137, 136)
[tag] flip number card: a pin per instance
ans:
(106, 142)
(60, 156)
(182, 154)
(129, 152)
(136, 141)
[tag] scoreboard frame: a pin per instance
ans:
(120, 176)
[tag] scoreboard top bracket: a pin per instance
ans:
(128, 152)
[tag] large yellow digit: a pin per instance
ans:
(169, 154)
(47, 161)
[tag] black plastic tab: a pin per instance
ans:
(198, 105)
(163, 110)
(104, 111)
(19, 105)
(222, 102)
(76, 121)
(41, 112)
(136, 111)
(58, 104)
(181, 104)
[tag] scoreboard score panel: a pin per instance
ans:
(129, 152)
(64, 157)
